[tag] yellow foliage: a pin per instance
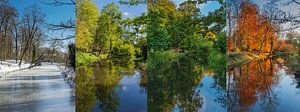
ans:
(210, 36)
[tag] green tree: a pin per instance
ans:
(108, 29)
(159, 16)
(189, 22)
(86, 21)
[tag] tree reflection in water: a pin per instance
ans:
(98, 84)
(173, 84)
(170, 85)
(253, 82)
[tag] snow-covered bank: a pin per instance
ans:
(10, 66)
(69, 73)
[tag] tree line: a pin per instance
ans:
(184, 28)
(106, 34)
(259, 29)
(23, 35)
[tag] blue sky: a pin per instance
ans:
(53, 15)
(136, 10)
(128, 11)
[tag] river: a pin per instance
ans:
(264, 85)
(181, 85)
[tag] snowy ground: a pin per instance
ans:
(10, 66)
(39, 89)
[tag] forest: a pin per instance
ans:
(105, 34)
(170, 47)
(256, 32)
(25, 36)
(262, 55)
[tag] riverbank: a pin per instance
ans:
(69, 73)
(11, 66)
(235, 59)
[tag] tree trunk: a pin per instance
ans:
(264, 40)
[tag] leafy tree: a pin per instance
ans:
(189, 23)
(86, 21)
(159, 16)
(108, 29)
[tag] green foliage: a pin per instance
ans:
(86, 19)
(172, 81)
(132, 2)
(217, 62)
(159, 58)
(220, 42)
(108, 30)
(125, 50)
(141, 48)
(157, 39)
(158, 33)
(215, 21)
(98, 84)
(85, 95)
(86, 58)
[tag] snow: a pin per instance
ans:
(11, 65)
(69, 74)
(38, 89)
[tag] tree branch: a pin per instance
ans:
(296, 2)
(66, 38)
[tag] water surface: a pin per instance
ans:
(185, 85)
(111, 86)
(169, 86)
(39, 89)
(264, 85)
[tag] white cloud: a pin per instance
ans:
(126, 13)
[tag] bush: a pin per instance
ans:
(161, 57)
(123, 50)
(220, 42)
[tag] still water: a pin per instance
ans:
(264, 85)
(111, 86)
(171, 86)
(184, 85)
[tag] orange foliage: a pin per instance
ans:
(286, 46)
(254, 31)
(253, 80)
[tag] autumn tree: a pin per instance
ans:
(255, 32)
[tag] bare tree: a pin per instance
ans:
(7, 13)
(63, 25)
(32, 20)
(16, 36)
(290, 18)
(232, 10)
